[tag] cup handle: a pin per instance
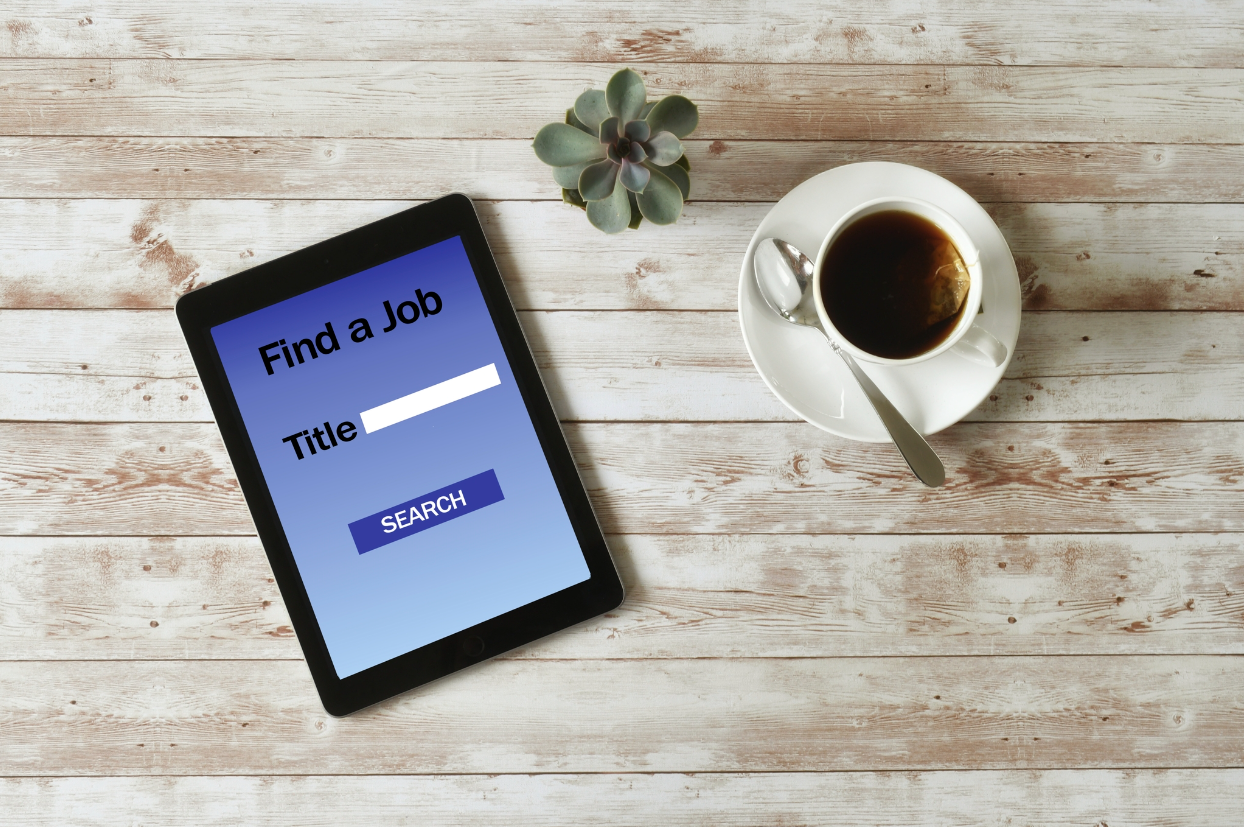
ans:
(980, 346)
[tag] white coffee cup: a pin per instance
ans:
(968, 339)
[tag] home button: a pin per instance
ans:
(473, 646)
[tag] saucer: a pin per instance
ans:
(797, 363)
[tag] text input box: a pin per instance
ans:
(429, 399)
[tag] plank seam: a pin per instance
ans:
(651, 774)
(932, 535)
(692, 422)
(706, 139)
(672, 659)
(1208, 767)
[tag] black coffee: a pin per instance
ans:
(894, 284)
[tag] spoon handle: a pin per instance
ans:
(920, 457)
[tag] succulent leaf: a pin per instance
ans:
(625, 95)
(661, 200)
(561, 145)
(612, 214)
(674, 114)
(680, 177)
(637, 130)
(609, 131)
(665, 148)
(637, 153)
(643, 113)
(590, 108)
(637, 217)
(634, 177)
(596, 181)
(568, 177)
(573, 197)
(684, 163)
(574, 121)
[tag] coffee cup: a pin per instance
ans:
(967, 338)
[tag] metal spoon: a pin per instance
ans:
(784, 276)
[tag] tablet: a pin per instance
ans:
(398, 453)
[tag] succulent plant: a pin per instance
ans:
(620, 157)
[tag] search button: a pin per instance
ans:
(427, 511)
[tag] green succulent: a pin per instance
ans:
(620, 157)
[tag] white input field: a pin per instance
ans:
(429, 399)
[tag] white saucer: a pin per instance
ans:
(797, 363)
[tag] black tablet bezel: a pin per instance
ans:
(337, 258)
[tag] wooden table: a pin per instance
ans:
(810, 636)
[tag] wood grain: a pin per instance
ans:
(1130, 33)
(1031, 478)
(747, 596)
(656, 365)
(708, 478)
(1126, 256)
(1134, 798)
(128, 253)
(263, 717)
(1039, 612)
(396, 168)
(477, 99)
(344, 168)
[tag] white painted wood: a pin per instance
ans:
(1001, 477)
(745, 101)
(745, 596)
(736, 170)
(106, 253)
(1109, 256)
(1128, 798)
(1107, 145)
(263, 717)
(693, 478)
(1131, 33)
(655, 365)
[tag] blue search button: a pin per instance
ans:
(422, 513)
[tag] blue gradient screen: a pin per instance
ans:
(399, 454)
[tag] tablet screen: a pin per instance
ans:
(400, 457)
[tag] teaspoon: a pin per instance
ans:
(784, 276)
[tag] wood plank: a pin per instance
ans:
(1030, 478)
(344, 168)
(1135, 798)
(1126, 256)
(151, 597)
(1130, 33)
(707, 478)
(446, 99)
(245, 717)
(145, 254)
(102, 366)
(748, 596)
